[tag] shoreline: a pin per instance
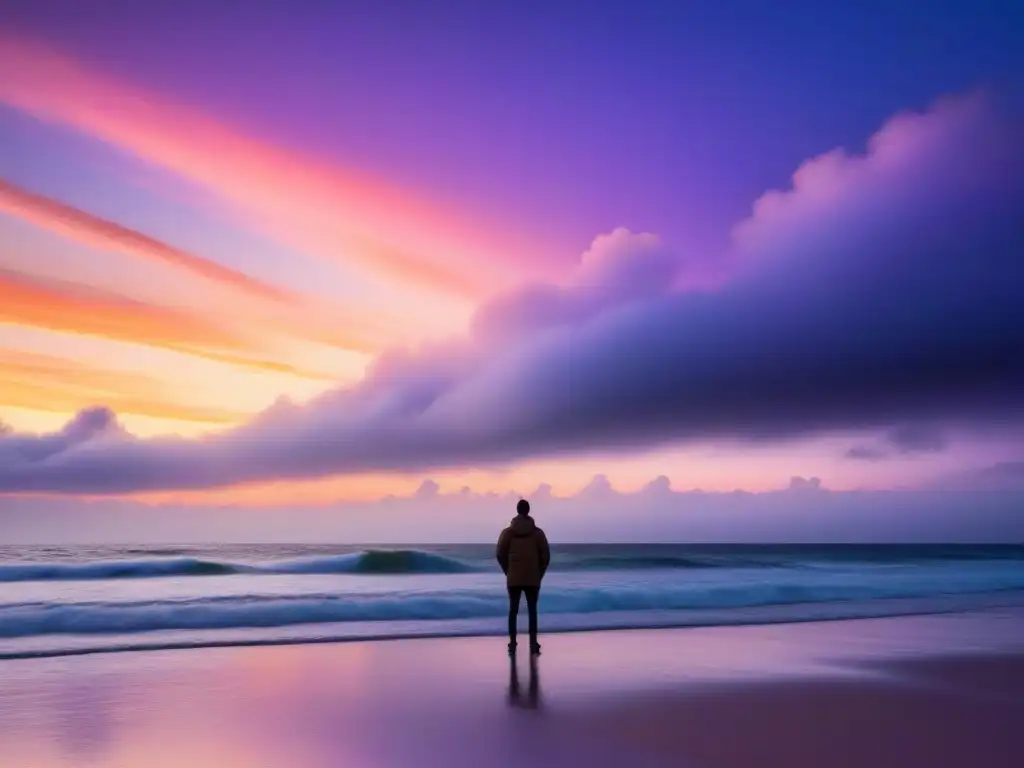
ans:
(768, 615)
(560, 624)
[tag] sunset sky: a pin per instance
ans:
(265, 254)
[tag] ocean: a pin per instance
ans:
(68, 600)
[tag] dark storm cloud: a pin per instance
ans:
(879, 290)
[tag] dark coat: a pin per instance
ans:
(523, 552)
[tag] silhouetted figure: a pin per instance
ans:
(523, 555)
(515, 698)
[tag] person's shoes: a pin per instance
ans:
(511, 649)
(535, 649)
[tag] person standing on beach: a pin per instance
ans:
(523, 555)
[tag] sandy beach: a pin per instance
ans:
(927, 690)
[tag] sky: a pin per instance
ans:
(257, 259)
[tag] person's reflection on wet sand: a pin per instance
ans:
(515, 697)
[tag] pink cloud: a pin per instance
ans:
(93, 230)
(300, 199)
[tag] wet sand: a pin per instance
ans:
(937, 691)
(958, 711)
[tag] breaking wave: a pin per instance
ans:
(403, 561)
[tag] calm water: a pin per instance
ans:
(57, 600)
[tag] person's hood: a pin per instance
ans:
(522, 525)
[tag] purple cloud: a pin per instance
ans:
(91, 426)
(1003, 476)
(917, 439)
(618, 269)
(806, 511)
(905, 440)
(428, 489)
(805, 483)
(880, 290)
(867, 452)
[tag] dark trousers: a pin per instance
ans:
(514, 594)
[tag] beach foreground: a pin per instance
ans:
(926, 690)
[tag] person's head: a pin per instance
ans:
(523, 507)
